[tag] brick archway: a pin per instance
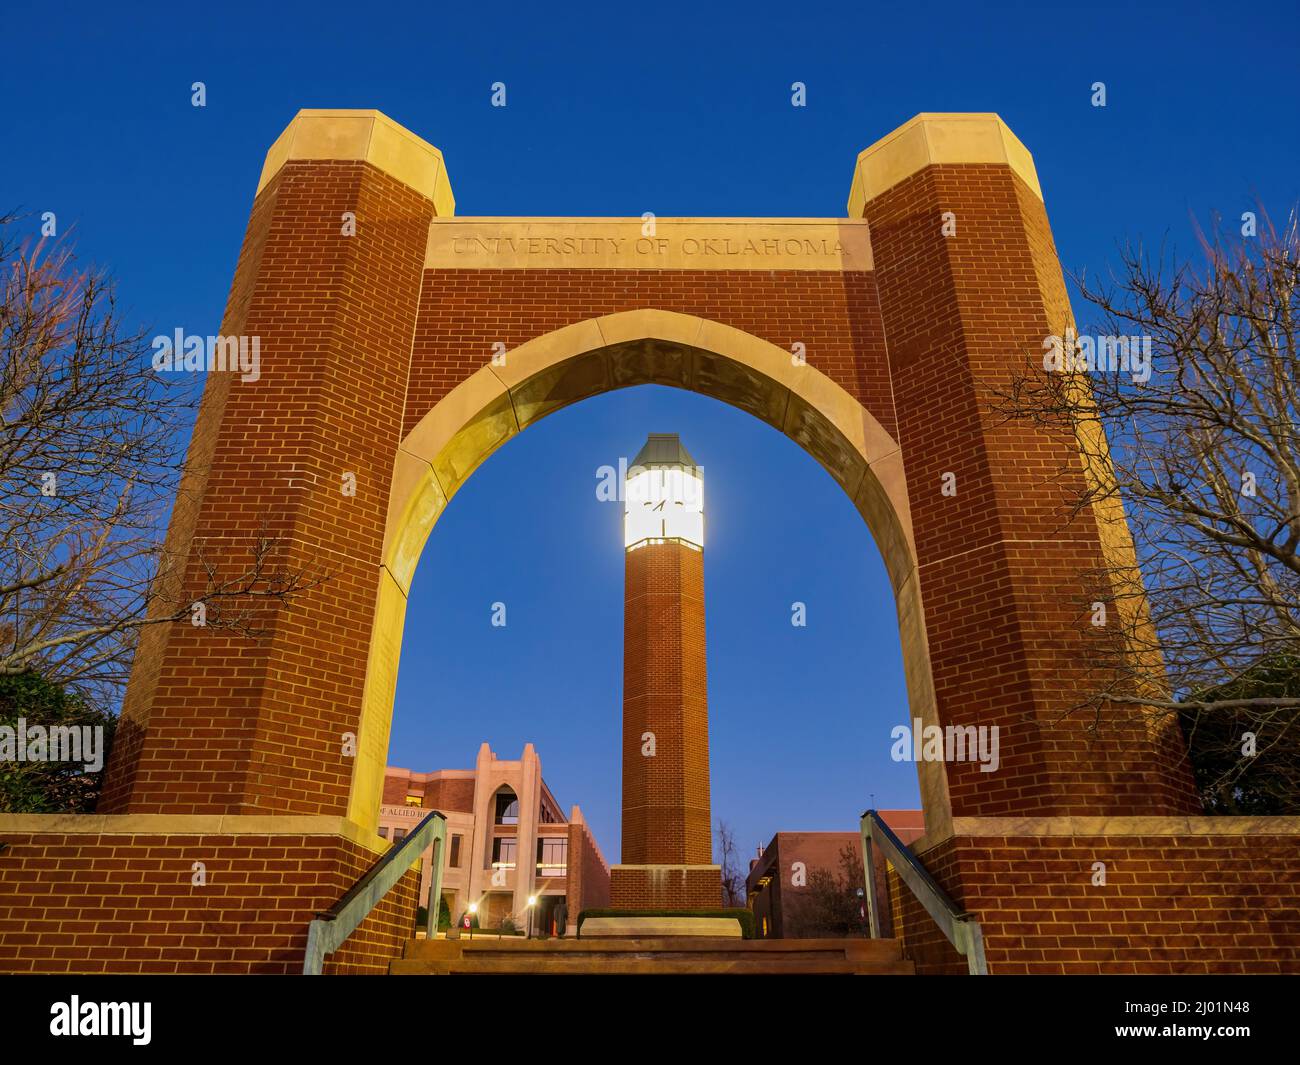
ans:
(377, 338)
(622, 350)
(378, 312)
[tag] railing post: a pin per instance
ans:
(869, 871)
(313, 962)
(972, 945)
(434, 905)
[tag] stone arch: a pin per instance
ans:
(599, 355)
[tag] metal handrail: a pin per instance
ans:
(961, 928)
(328, 930)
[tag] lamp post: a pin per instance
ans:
(532, 902)
(473, 909)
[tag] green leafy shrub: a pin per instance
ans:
(49, 787)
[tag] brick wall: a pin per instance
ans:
(587, 886)
(665, 888)
(450, 796)
(453, 794)
(397, 788)
(464, 312)
(1171, 904)
(126, 904)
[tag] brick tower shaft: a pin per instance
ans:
(666, 817)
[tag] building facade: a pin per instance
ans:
(507, 841)
(778, 888)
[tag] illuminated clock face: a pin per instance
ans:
(664, 503)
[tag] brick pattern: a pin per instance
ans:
(464, 312)
(666, 818)
(1171, 904)
(587, 884)
(665, 888)
(450, 796)
(1000, 570)
(126, 904)
(240, 726)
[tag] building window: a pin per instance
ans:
(552, 856)
(399, 834)
(507, 811)
(504, 852)
(415, 800)
(383, 831)
(453, 860)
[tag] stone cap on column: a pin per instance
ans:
(368, 136)
(931, 138)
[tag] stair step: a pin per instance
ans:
(866, 949)
(649, 966)
(658, 955)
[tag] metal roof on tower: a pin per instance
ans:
(663, 449)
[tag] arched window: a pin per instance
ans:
(507, 808)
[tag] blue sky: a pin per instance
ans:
(617, 110)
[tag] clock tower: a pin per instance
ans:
(667, 828)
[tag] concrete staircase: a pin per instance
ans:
(511, 956)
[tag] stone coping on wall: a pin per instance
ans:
(938, 139)
(188, 825)
(1020, 827)
(363, 135)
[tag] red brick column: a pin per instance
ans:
(216, 725)
(969, 286)
(215, 722)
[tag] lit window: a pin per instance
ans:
(552, 856)
(504, 852)
(415, 800)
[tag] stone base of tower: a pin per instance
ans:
(665, 887)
